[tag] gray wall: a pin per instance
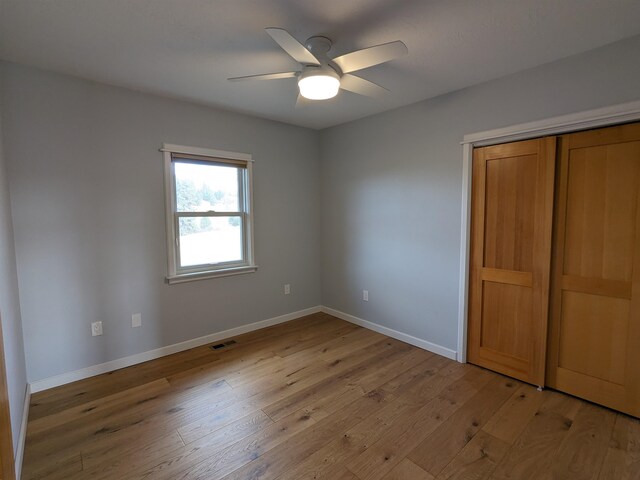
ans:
(10, 308)
(376, 201)
(87, 194)
(391, 187)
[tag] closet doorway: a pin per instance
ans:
(568, 316)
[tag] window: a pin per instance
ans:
(209, 214)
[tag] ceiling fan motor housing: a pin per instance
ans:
(319, 82)
(319, 46)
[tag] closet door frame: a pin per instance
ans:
(601, 117)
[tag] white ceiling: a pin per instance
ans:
(188, 48)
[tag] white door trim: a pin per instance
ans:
(601, 117)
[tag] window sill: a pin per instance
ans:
(192, 277)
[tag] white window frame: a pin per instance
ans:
(219, 157)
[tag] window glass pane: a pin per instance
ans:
(206, 240)
(202, 188)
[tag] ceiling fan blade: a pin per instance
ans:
(368, 57)
(266, 76)
(293, 47)
(361, 86)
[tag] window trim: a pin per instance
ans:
(199, 154)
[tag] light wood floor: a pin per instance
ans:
(321, 398)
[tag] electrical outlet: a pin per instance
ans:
(365, 295)
(96, 329)
(287, 289)
(136, 320)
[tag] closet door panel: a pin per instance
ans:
(597, 326)
(510, 200)
(594, 336)
(510, 258)
(507, 311)
(601, 211)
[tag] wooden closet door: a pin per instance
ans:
(512, 207)
(594, 336)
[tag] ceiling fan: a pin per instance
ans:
(321, 76)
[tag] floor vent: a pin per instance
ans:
(218, 346)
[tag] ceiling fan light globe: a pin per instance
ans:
(319, 87)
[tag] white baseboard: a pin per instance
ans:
(389, 332)
(23, 432)
(119, 363)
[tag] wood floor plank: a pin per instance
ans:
(390, 370)
(622, 460)
(43, 424)
(122, 460)
(224, 410)
(318, 398)
(367, 359)
(328, 351)
(157, 413)
(218, 454)
(285, 456)
(328, 461)
(334, 425)
(346, 475)
(68, 396)
(534, 450)
(306, 341)
(407, 470)
(189, 435)
(246, 452)
(60, 469)
(582, 453)
(477, 459)
(355, 340)
(439, 448)
(293, 385)
(382, 456)
(444, 369)
(512, 418)
(220, 410)
(243, 358)
(439, 374)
